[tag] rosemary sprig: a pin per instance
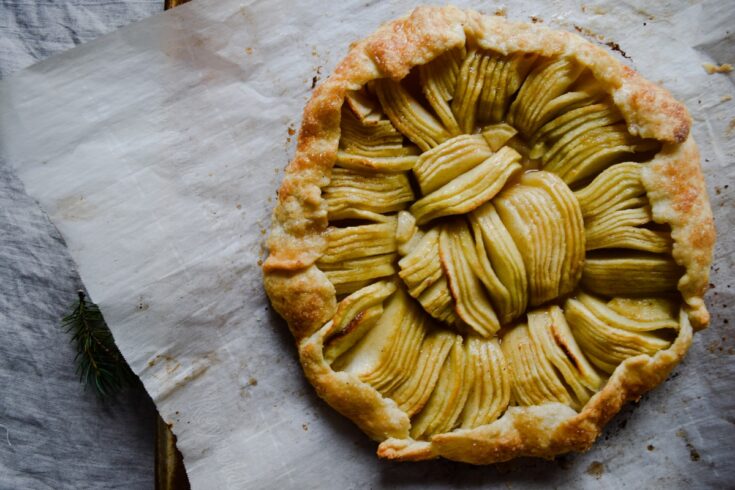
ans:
(99, 362)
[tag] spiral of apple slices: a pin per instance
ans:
(608, 337)
(386, 355)
(542, 217)
(438, 81)
(409, 116)
(630, 274)
(355, 316)
(469, 190)
(547, 81)
(365, 195)
(461, 264)
(506, 262)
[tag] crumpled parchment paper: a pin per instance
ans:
(157, 151)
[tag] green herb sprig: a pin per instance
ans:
(99, 362)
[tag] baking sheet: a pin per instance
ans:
(157, 151)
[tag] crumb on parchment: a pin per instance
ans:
(712, 69)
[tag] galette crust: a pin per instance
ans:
(303, 295)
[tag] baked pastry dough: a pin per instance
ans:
(491, 237)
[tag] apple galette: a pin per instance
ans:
(491, 237)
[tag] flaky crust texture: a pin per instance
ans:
(303, 295)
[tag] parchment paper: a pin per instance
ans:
(157, 151)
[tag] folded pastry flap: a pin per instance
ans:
(378, 417)
(689, 216)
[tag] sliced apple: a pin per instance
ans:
(574, 232)
(438, 81)
(550, 332)
(489, 395)
(355, 242)
(414, 392)
(383, 357)
(361, 195)
(459, 262)
(350, 275)
(631, 274)
(442, 411)
(618, 187)
(497, 135)
(355, 316)
(507, 76)
(534, 380)
(506, 261)
(546, 81)
(634, 314)
(647, 310)
(409, 116)
(422, 273)
(449, 160)
(537, 227)
(470, 190)
(605, 345)
(622, 229)
(469, 85)
(593, 151)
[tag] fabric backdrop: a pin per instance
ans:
(53, 432)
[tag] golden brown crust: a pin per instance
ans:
(305, 298)
(678, 197)
(380, 418)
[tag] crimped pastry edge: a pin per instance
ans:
(302, 294)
